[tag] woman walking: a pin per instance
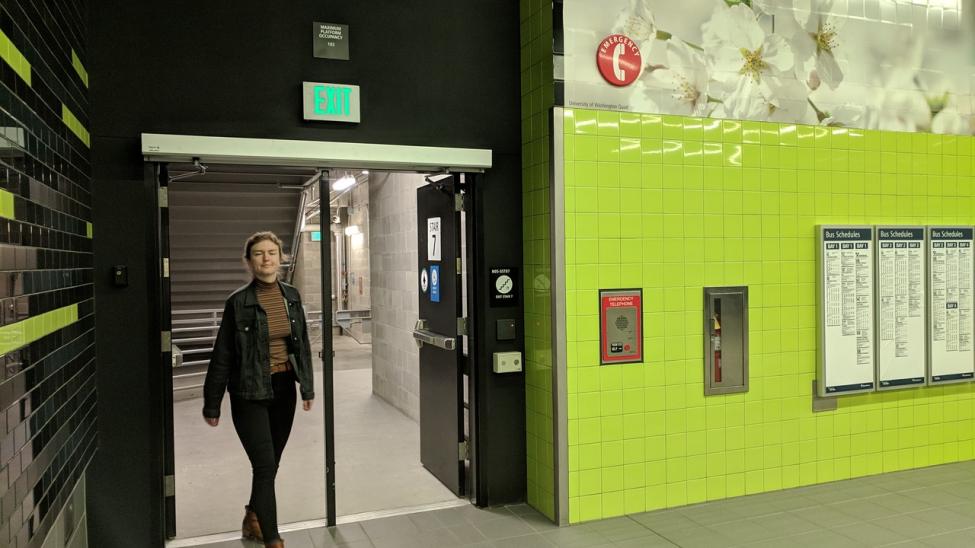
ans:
(261, 351)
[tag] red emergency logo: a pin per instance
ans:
(619, 60)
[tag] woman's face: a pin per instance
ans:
(265, 260)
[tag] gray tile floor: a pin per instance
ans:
(931, 507)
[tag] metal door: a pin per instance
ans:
(440, 311)
(161, 174)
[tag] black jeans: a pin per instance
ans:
(263, 427)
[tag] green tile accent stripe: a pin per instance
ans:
(74, 125)
(13, 57)
(79, 67)
(671, 205)
(6, 205)
(16, 335)
(537, 100)
(88, 229)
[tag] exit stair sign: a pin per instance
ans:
(330, 102)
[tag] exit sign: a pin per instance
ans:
(330, 102)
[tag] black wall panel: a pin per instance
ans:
(438, 73)
(47, 373)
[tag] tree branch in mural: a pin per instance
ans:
(774, 60)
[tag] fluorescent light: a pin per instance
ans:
(365, 172)
(343, 183)
(352, 230)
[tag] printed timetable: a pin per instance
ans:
(901, 307)
(951, 328)
(846, 357)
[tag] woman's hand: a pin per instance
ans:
(212, 422)
(306, 404)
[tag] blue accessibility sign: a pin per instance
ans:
(435, 283)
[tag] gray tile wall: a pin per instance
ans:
(47, 387)
(395, 289)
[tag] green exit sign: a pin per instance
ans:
(330, 102)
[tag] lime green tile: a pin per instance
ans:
(673, 152)
(770, 133)
(712, 129)
(651, 125)
(15, 58)
(585, 122)
(608, 123)
(79, 67)
(731, 131)
(693, 152)
(672, 128)
(607, 149)
(630, 125)
(693, 129)
(751, 132)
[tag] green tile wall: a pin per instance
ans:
(673, 204)
(537, 99)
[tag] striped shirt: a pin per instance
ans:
(278, 327)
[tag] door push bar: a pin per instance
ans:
(422, 335)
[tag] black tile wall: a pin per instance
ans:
(47, 387)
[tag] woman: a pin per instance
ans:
(261, 351)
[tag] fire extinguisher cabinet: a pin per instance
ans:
(725, 340)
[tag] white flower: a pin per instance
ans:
(685, 78)
(951, 121)
(891, 97)
(636, 23)
(815, 39)
(900, 110)
(752, 65)
(843, 115)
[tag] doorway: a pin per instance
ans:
(349, 380)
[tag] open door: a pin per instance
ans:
(442, 444)
(161, 174)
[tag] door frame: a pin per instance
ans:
(159, 150)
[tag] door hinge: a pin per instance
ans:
(167, 341)
(460, 266)
(163, 196)
(169, 486)
(463, 452)
(165, 267)
(459, 202)
(462, 326)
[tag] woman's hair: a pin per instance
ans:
(260, 237)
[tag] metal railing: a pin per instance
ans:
(204, 326)
(309, 188)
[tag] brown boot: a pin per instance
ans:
(275, 544)
(250, 528)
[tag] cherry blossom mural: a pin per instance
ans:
(904, 65)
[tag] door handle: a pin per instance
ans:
(422, 335)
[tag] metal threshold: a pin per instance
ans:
(190, 542)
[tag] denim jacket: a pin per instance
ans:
(240, 362)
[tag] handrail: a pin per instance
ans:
(299, 222)
(212, 324)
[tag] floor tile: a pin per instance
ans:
(868, 534)
(956, 539)
(926, 508)
(504, 527)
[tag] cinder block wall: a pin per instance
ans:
(394, 289)
(358, 249)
